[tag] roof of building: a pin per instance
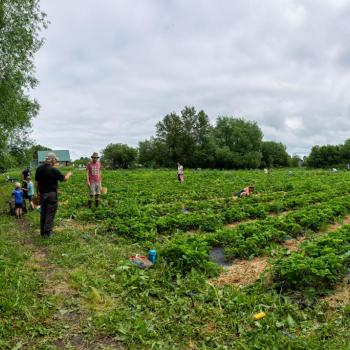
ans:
(62, 155)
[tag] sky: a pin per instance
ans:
(111, 69)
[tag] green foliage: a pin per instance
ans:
(118, 155)
(274, 154)
(187, 253)
(20, 24)
(329, 155)
(189, 138)
(239, 143)
(319, 265)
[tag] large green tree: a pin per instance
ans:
(20, 24)
(185, 137)
(325, 156)
(274, 154)
(238, 142)
(118, 155)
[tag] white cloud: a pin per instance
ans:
(111, 69)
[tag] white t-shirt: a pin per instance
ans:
(180, 170)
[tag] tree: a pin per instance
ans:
(118, 156)
(20, 24)
(242, 139)
(33, 151)
(184, 137)
(274, 154)
(81, 162)
(324, 156)
(295, 161)
(152, 153)
(345, 152)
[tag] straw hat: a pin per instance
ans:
(51, 157)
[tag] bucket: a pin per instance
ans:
(104, 190)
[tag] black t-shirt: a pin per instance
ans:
(25, 173)
(47, 177)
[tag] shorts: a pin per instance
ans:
(19, 205)
(180, 177)
(30, 198)
(94, 188)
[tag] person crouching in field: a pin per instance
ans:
(246, 192)
(180, 172)
(17, 194)
(94, 179)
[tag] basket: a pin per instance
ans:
(36, 200)
(104, 190)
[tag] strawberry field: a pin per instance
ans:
(79, 290)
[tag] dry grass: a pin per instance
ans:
(341, 295)
(243, 272)
(293, 244)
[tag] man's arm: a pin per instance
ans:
(67, 176)
(87, 176)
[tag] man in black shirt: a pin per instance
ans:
(46, 182)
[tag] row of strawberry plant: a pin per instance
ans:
(319, 265)
(251, 239)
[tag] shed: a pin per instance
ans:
(62, 155)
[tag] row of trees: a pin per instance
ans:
(232, 143)
(329, 155)
(189, 138)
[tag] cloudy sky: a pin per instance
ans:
(110, 69)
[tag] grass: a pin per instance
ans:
(78, 290)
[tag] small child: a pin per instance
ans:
(18, 196)
(30, 192)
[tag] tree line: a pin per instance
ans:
(329, 156)
(189, 138)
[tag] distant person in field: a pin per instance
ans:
(180, 172)
(17, 194)
(94, 179)
(246, 192)
(46, 183)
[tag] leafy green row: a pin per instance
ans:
(251, 239)
(319, 265)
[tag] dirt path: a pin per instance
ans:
(70, 314)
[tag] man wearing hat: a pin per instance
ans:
(46, 182)
(94, 179)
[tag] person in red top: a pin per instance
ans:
(94, 179)
(246, 192)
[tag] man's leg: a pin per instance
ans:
(90, 201)
(50, 213)
(43, 211)
(91, 195)
(97, 194)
